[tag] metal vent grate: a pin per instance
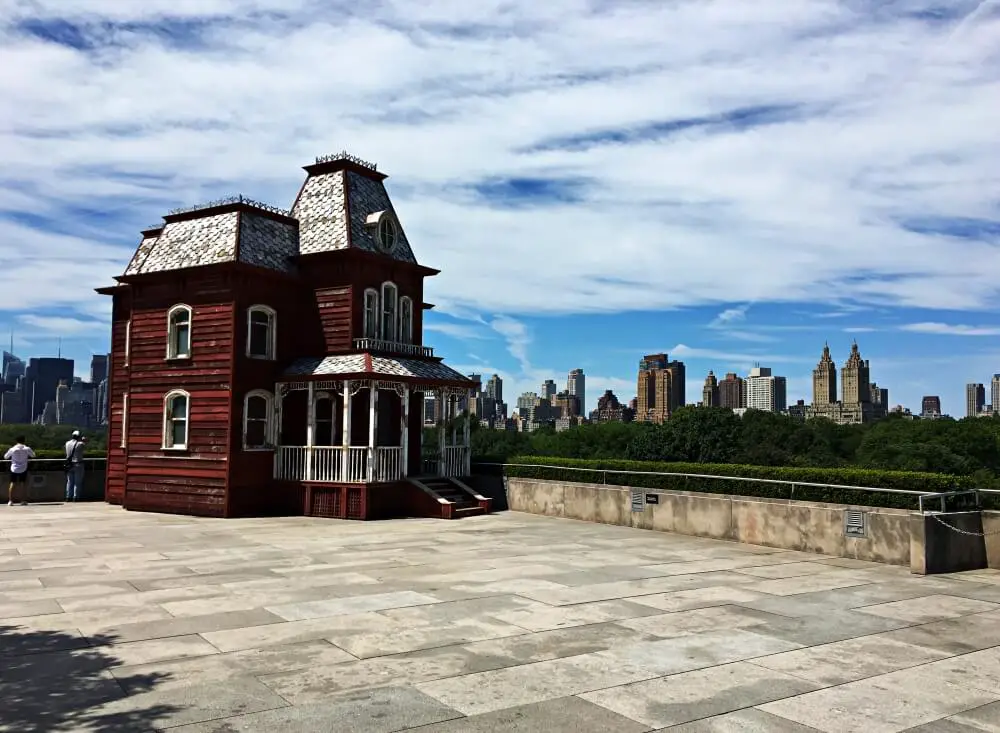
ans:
(855, 523)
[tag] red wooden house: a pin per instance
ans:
(268, 361)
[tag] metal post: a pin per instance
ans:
(467, 437)
(372, 424)
(345, 459)
(441, 396)
(310, 428)
(275, 436)
(404, 441)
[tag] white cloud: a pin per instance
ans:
(682, 351)
(859, 329)
(458, 330)
(948, 329)
(685, 219)
(63, 326)
(730, 316)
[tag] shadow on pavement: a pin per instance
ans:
(59, 681)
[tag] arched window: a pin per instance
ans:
(179, 332)
(261, 334)
(176, 420)
(406, 320)
(371, 314)
(258, 407)
(389, 311)
(324, 419)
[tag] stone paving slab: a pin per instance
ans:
(111, 620)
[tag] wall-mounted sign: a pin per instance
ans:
(652, 498)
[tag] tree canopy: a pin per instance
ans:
(715, 435)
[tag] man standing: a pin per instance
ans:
(18, 455)
(74, 466)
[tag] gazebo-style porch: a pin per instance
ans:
(365, 431)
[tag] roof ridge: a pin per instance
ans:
(236, 199)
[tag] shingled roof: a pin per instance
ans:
(341, 197)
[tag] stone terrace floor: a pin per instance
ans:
(111, 620)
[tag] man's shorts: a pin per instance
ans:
(19, 478)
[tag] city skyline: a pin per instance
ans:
(734, 197)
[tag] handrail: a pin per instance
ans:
(57, 460)
(711, 476)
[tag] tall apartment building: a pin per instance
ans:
(930, 406)
(654, 389)
(732, 392)
(98, 368)
(855, 382)
(765, 391)
(995, 393)
(576, 385)
(609, 409)
(568, 405)
(975, 399)
(710, 392)
(549, 389)
(825, 380)
(880, 399)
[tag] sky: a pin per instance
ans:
(730, 182)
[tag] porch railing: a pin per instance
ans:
(388, 464)
(336, 464)
(392, 347)
(453, 460)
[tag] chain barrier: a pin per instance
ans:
(966, 532)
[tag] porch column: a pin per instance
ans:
(467, 436)
(310, 429)
(453, 405)
(275, 436)
(345, 457)
(441, 397)
(404, 440)
(372, 426)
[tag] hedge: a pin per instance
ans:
(531, 467)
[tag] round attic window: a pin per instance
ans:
(386, 233)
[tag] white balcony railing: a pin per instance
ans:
(392, 347)
(336, 464)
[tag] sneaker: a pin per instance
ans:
(10, 503)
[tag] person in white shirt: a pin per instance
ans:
(18, 454)
(74, 465)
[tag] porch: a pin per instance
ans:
(365, 432)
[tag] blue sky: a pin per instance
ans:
(729, 182)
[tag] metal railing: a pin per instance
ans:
(392, 347)
(736, 479)
(52, 464)
(941, 499)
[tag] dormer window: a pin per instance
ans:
(389, 294)
(406, 320)
(261, 332)
(179, 332)
(383, 226)
(371, 314)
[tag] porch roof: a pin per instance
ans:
(367, 365)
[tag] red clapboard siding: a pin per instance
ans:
(114, 487)
(334, 305)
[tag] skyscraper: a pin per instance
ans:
(576, 385)
(855, 379)
(549, 389)
(98, 368)
(653, 391)
(975, 399)
(930, 406)
(825, 380)
(732, 392)
(765, 391)
(995, 393)
(710, 392)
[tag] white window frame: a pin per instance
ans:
(405, 327)
(272, 331)
(392, 319)
(168, 420)
(124, 419)
(372, 330)
(268, 425)
(172, 352)
(128, 339)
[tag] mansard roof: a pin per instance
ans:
(338, 208)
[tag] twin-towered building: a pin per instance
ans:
(861, 400)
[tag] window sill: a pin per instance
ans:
(184, 357)
(176, 450)
(260, 357)
(259, 449)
